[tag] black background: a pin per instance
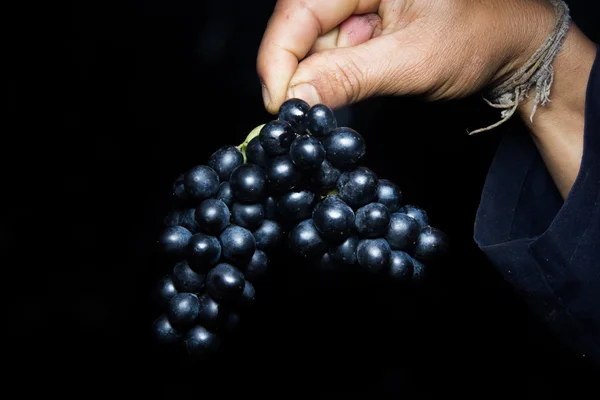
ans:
(109, 102)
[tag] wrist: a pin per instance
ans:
(558, 127)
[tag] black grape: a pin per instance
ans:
(238, 244)
(358, 187)
(333, 219)
(282, 174)
(297, 206)
(345, 252)
(224, 194)
(325, 177)
(389, 195)
(209, 312)
(186, 279)
(276, 137)
(256, 154)
(203, 251)
(200, 342)
(373, 254)
(307, 153)
(372, 220)
(165, 291)
(268, 235)
(294, 112)
(403, 232)
(417, 213)
(183, 309)
(401, 266)
(344, 147)
(431, 244)
(225, 282)
(321, 121)
(164, 332)
(248, 216)
(225, 160)
(304, 240)
(248, 183)
(257, 267)
(212, 216)
(201, 182)
(173, 241)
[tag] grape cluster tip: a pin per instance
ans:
(295, 181)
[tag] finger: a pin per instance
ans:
(292, 30)
(388, 64)
(355, 30)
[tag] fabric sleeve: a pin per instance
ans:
(549, 250)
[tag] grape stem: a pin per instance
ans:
(254, 133)
(332, 192)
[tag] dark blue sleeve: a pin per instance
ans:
(549, 250)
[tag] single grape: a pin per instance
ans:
(389, 195)
(344, 147)
(401, 266)
(212, 216)
(164, 332)
(294, 112)
(187, 219)
(357, 187)
(304, 240)
(225, 160)
(256, 154)
(325, 177)
(248, 216)
(224, 194)
(238, 244)
(268, 235)
(431, 244)
(173, 241)
(248, 295)
(179, 188)
(209, 312)
(345, 252)
(276, 137)
(183, 309)
(186, 279)
(321, 121)
(307, 153)
(225, 282)
(373, 254)
(403, 232)
(200, 342)
(417, 213)
(165, 291)
(270, 207)
(248, 183)
(372, 221)
(282, 174)
(257, 266)
(297, 206)
(201, 182)
(204, 251)
(333, 219)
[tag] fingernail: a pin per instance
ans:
(265, 95)
(306, 92)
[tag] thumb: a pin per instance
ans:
(341, 76)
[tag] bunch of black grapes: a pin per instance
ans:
(296, 179)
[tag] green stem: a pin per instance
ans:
(254, 133)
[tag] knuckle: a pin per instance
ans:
(344, 75)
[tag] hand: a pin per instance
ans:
(338, 52)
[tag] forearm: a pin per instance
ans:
(557, 128)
